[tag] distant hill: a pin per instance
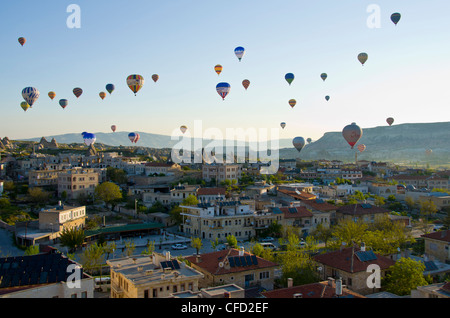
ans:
(403, 143)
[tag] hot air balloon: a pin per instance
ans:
(429, 151)
(102, 95)
(289, 77)
(395, 17)
(299, 143)
(362, 58)
(135, 82)
(89, 139)
(113, 128)
(218, 68)
(110, 88)
(22, 40)
(137, 138)
(83, 133)
(155, 77)
(51, 95)
(246, 84)
(309, 140)
(352, 133)
(183, 129)
(239, 51)
(30, 95)
(24, 106)
(77, 91)
(283, 124)
(324, 76)
(327, 98)
(132, 136)
(361, 147)
(63, 103)
(223, 89)
(390, 120)
(292, 102)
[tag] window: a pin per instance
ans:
(263, 275)
(84, 294)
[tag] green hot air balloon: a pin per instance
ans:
(289, 77)
(362, 58)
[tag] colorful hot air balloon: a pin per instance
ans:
(24, 106)
(132, 136)
(63, 103)
(51, 95)
(352, 133)
(102, 95)
(155, 77)
(22, 40)
(390, 120)
(183, 129)
(395, 17)
(77, 91)
(361, 147)
(89, 139)
(327, 98)
(135, 82)
(292, 102)
(283, 124)
(223, 89)
(309, 140)
(218, 68)
(110, 88)
(289, 77)
(113, 128)
(246, 83)
(239, 51)
(299, 143)
(137, 138)
(30, 95)
(362, 58)
(324, 76)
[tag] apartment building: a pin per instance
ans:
(221, 172)
(78, 181)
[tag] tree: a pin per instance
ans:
(129, 248)
(379, 201)
(427, 208)
(348, 232)
(38, 195)
(232, 241)
(32, 250)
(108, 192)
(72, 238)
(92, 257)
(322, 233)
(175, 214)
(150, 248)
(109, 248)
(215, 243)
(196, 243)
(410, 202)
(190, 200)
(405, 275)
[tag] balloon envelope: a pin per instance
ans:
(309, 140)
(362, 58)
(218, 68)
(63, 103)
(327, 98)
(361, 147)
(299, 143)
(292, 102)
(395, 17)
(324, 76)
(102, 95)
(183, 129)
(113, 128)
(89, 139)
(30, 95)
(283, 124)
(132, 136)
(135, 82)
(110, 88)
(155, 77)
(223, 89)
(289, 77)
(239, 51)
(51, 95)
(352, 133)
(24, 106)
(246, 84)
(77, 91)
(390, 120)
(22, 40)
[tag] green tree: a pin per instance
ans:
(92, 257)
(32, 250)
(215, 243)
(129, 248)
(410, 202)
(427, 208)
(175, 214)
(150, 248)
(405, 275)
(322, 233)
(190, 200)
(38, 195)
(348, 232)
(108, 192)
(232, 241)
(72, 238)
(379, 201)
(109, 248)
(196, 243)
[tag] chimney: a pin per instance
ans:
(339, 286)
(290, 282)
(363, 247)
(241, 251)
(168, 256)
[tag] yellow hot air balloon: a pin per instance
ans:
(102, 95)
(24, 106)
(183, 129)
(292, 102)
(218, 68)
(51, 95)
(135, 82)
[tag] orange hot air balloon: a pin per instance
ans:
(361, 147)
(52, 95)
(218, 68)
(155, 77)
(292, 102)
(102, 95)
(22, 40)
(246, 84)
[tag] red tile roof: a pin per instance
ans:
(341, 260)
(209, 262)
(302, 196)
(211, 191)
(324, 207)
(314, 290)
(300, 212)
(439, 235)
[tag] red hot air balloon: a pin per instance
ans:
(246, 83)
(352, 133)
(22, 40)
(390, 121)
(113, 128)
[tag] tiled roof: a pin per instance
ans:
(211, 191)
(439, 235)
(361, 209)
(321, 206)
(209, 262)
(314, 290)
(341, 260)
(299, 196)
(295, 212)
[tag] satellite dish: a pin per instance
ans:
(220, 264)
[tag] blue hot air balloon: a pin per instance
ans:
(30, 95)
(299, 143)
(289, 77)
(223, 89)
(89, 139)
(239, 51)
(395, 17)
(110, 88)
(132, 136)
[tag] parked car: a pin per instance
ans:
(179, 247)
(267, 239)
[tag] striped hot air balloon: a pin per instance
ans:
(183, 129)
(102, 95)
(218, 68)
(223, 89)
(22, 40)
(246, 83)
(361, 147)
(239, 51)
(77, 91)
(63, 103)
(135, 82)
(390, 120)
(292, 102)
(30, 95)
(155, 77)
(51, 95)
(283, 124)
(89, 139)
(323, 76)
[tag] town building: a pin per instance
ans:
(363, 212)
(437, 245)
(78, 181)
(221, 172)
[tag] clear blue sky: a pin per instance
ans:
(406, 75)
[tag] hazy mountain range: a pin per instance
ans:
(405, 143)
